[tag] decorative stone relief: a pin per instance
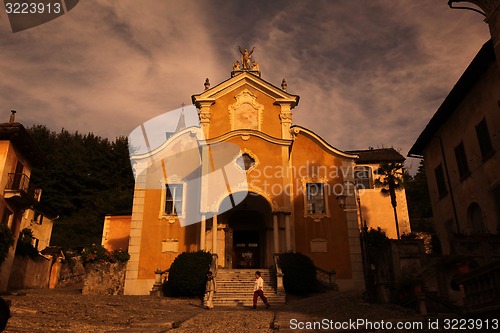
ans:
(246, 113)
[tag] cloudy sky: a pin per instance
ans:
(368, 72)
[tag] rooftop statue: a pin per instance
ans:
(245, 58)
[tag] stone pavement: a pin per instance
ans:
(69, 311)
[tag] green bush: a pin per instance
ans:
(375, 239)
(98, 253)
(120, 256)
(6, 241)
(187, 275)
(299, 273)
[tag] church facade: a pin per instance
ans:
(244, 184)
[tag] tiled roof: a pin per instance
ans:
(371, 156)
(22, 140)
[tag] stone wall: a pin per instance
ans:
(103, 278)
(29, 273)
(68, 272)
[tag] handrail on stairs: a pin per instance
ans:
(280, 289)
(327, 278)
(213, 264)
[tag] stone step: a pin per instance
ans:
(229, 283)
(235, 287)
(238, 293)
(247, 288)
(241, 281)
(222, 287)
(246, 297)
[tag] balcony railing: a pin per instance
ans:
(482, 289)
(19, 182)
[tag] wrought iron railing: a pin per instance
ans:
(213, 265)
(21, 182)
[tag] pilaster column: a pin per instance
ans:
(205, 115)
(203, 229)
(214, 234)
(276, 233)
(288, 239)
(286, 121)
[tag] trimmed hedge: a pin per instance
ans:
(188, 274)
(299, 273)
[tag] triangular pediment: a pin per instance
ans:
(241, 80)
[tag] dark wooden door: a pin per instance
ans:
(246, 249)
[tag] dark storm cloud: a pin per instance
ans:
(369, 73)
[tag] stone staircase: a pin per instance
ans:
(235, 288)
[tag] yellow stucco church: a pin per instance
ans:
(245, 184)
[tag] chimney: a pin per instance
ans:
(12, 116)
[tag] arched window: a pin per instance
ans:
(475, 220)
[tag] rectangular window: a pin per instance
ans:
(173, 200)
(363, 177)
(7, 217)
(483, 137)
(37, 217)
(315, 203)
(443, 191)
(34, 242)
(463, 166)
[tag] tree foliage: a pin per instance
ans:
(24, 247)
(391, 178)
(6, 241)
(86, 176)
(419, 205)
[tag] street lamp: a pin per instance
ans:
(342, 200)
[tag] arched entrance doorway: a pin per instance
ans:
(248, 232)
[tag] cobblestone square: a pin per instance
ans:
(69, 311)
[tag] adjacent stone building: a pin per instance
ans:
(460, 148)
(19, 198)
(377, 210)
